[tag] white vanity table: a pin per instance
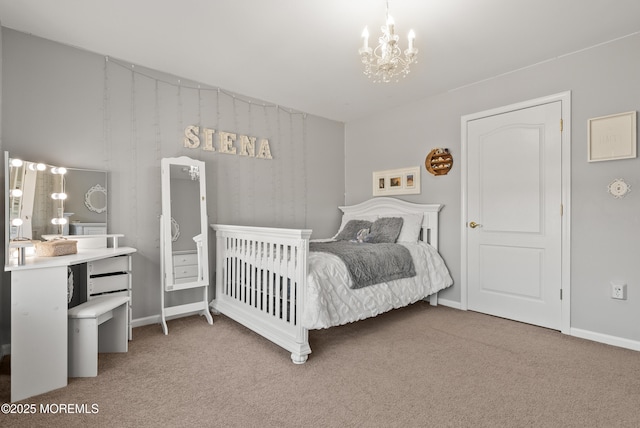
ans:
(39, 316)
(37, 208)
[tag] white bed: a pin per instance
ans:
(267, 279)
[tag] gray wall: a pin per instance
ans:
(69, 107)
(604, 231)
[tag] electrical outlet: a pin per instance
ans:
(618, 291)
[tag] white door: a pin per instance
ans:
(514, 218)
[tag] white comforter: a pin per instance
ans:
(329, 300)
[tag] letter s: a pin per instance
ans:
(191, 139)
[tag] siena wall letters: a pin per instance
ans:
(247, 145)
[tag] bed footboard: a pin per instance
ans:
(260, 282)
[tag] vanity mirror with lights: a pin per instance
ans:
(50, 202)
(45, 200)
(183, 235)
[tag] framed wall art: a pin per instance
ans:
(403, 181)
(612, 137)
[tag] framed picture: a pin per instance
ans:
(612, 137)
(404, 181)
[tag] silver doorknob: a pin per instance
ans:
(473, 225)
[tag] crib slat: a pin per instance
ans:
(265, 284)
(243, 266)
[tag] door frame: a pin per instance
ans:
(565, 99)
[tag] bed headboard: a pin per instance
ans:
(388, 206)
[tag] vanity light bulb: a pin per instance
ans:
(16, 222)
(37, 166)
(59, 196)
(16, 162)
(58, 170)
(16, 193)
(59, 221)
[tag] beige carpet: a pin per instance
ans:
(414, 367)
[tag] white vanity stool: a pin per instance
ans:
(99, 325)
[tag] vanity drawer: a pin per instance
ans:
(116, 293)
(108, 283)
(112, 264)
(185, 259)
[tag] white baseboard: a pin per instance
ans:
(139, 322)
(605, 338)
(449, 303)
(583, 334)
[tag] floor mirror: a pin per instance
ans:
(183, 236)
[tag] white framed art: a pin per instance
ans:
(403, 181)
(612, 137)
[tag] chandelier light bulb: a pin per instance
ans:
(365, 38)
(390, 25)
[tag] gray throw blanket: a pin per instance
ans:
(370, 264)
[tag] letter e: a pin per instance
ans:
(226, 143)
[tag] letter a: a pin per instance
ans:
(265, 150)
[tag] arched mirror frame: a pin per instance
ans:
(167, 231)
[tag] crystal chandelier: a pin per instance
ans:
(385, 62)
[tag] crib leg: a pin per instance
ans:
(298, 358)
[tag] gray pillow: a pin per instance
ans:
(385, 230)
(351, 229)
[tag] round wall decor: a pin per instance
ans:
(618, 188)
(439, 161)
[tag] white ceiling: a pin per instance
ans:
(303, 54)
